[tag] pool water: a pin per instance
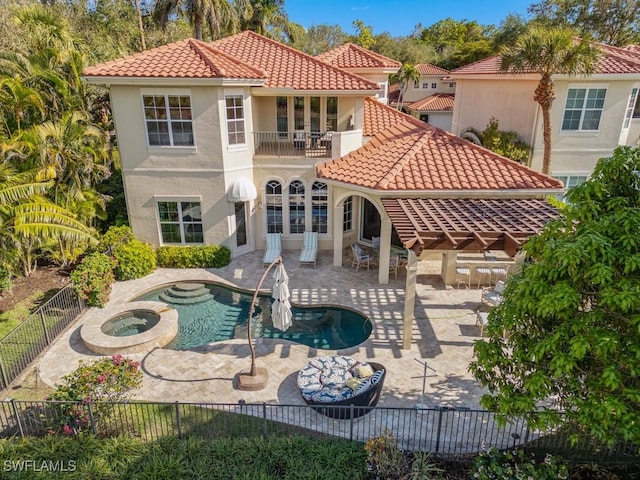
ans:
(220, 313)
(130, 323)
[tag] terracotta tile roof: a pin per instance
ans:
(184, 59)
(613, 60)
(413, 157)
(355, 56)
(287, 67)
(438, 102)
(379, 117)
(428, 69)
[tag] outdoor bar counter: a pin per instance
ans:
(472, 260)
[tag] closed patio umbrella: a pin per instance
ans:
(281, 308)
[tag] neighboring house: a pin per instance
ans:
(591, 115)
(363, 62)
(227, 141)
(430, 99)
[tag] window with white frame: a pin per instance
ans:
(451, 84)
(296, 207)
(168, 119)
(273, 200)
(347, 217)
(583, 109)
(633, 98)
(434, 85)
(383, 86)
(425, 85)
(636, 108)
(319, 207)
(180, 222)
(235, 119)
(569, 180)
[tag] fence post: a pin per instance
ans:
(44, 327)
(92, 420)
(265, 428)
(17, 414)
(3, 371)
(439, 429)
(351, 422)
(178, 421)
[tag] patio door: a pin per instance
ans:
(369, 221)
(241, 220)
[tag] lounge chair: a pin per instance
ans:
(309, 253)
(274, 248)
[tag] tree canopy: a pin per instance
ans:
(572, 314)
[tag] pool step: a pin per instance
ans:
(186, 294)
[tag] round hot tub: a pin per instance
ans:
(130, 323)
(134, 327)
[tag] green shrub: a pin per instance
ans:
(5, 279)
(507, 144)
(134, 259)
(114, 237)
(104, 380)
(514, 465)
(196, 256)
(92, 279)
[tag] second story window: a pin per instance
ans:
(282, 117)
(235, 119)
(583, 108)
(332, 113)
(168, 119)
(434, 85)
(425, 85)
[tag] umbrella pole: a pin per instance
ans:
(255, 378)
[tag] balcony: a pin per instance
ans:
(294, 144)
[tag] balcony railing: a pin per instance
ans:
(293, 144)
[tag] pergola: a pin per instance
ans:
(461, 224)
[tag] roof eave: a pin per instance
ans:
(369, 70)
(172, 81)
(270, 92)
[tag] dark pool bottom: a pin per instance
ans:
(214, 313)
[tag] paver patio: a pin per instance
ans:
(443, 336)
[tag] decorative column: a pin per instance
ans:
(385, 249)
(409, 300)
(338, 219)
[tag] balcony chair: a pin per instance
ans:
(309, 253)
(493, 296)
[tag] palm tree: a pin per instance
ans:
(28, 220)
(266, 17)
(408, 73)
(548, 52)
(215, 13)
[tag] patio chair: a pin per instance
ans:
(274, 248)
(463, 276)
(394, 264)
(309, 253)
(376, 245)
(493, 296)
(360, 259)
(299, 139)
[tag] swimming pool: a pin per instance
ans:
(211, 313)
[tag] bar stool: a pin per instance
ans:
(483, 272)
(500, 273)
(463, 275)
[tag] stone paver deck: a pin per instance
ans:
(443, 335)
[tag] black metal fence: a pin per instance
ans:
(442, 431)
(25, 342)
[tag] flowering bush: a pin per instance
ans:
(105, 380)
(514, 465)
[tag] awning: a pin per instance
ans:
(467, 223)
(242, 190)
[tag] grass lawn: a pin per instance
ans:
(20, 312)
(171, 458)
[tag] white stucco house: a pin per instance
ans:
(591, 115)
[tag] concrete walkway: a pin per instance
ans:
(443, 336)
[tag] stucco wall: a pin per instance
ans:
(511, 102)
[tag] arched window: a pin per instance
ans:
(296, 207)
(320, 207)
(273, 193)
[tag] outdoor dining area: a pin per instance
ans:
(365, 256)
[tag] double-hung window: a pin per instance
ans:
(583, 109)
(169, 120)
(180, 222)
(235, 119)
